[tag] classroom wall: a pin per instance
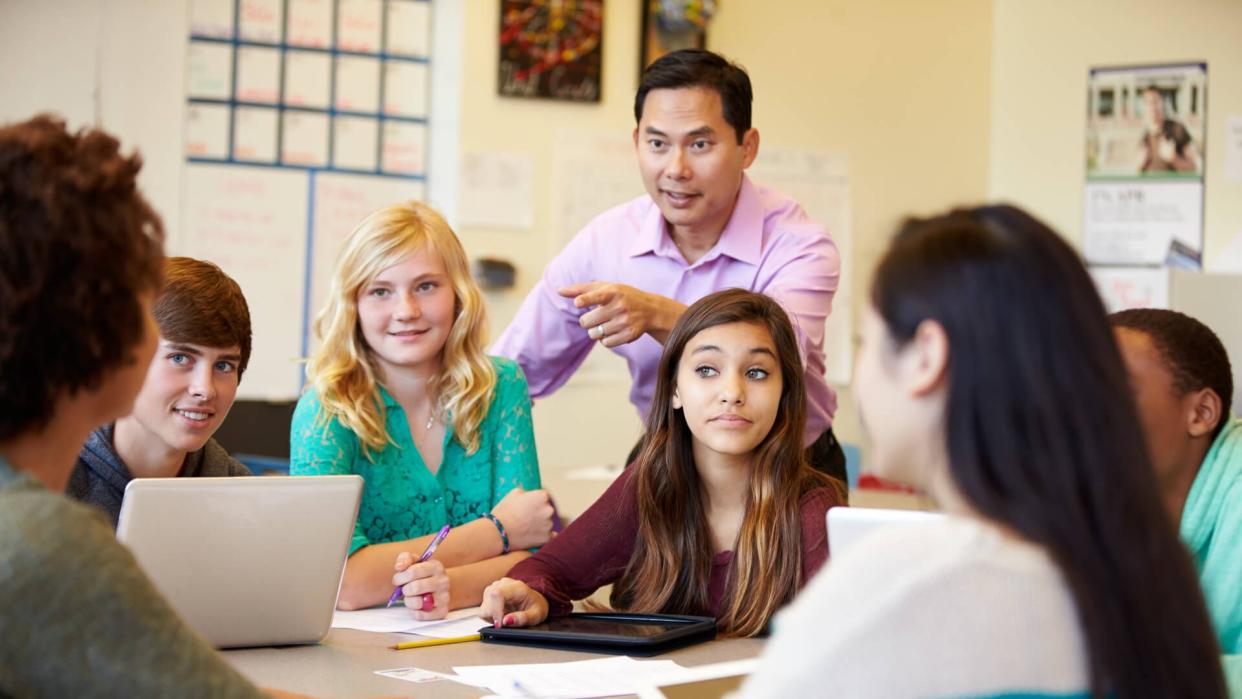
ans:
(119, 63)
(1040, 58)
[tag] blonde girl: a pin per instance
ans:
(403, 394)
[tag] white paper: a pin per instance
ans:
(355, 142)
(252, 222)
(404, 149)
(604, 677)
(207, 131)
(357, 84)
(258, 74)
(820, 182)
(305, 137)
(209, 70)
(308, 79)
(309, 23)
(259, 21)
(397, 619)
(212, 18)
(591, 173)
(408, 28)
(254, 134)
(1136, 222)
(700, 673)
(405, 88)
(1233, 148)
(415, 674)
(454, 628)
(1123, 288)
(358, 25)
(497, 191)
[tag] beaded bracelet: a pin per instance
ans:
(504, 536)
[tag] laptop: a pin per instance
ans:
(246, 561)
(849, 525)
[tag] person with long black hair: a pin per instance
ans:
(990, 380)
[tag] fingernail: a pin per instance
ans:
(507, 621)
(496, 624)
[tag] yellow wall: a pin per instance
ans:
(1041, 54)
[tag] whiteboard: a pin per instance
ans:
(248, 221)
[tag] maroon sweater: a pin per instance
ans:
(596, 548)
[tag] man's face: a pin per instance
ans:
(689, 157)
(187, 393)
(1163, 410)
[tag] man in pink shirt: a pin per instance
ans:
(703, 226)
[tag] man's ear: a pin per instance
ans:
(1204, 412)
(750, 147)
(925, 359)
(635, 138)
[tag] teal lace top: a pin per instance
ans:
(401, 499)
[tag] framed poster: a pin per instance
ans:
(1144, 164)
(672, 25)
(551, 49)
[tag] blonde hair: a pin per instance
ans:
(342, 369)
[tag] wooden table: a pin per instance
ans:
(344, 664)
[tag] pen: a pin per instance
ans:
(557, 525)
(431, 548)
(436, 642)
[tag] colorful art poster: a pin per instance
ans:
(1145, 145)
(551, 49)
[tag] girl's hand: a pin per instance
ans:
(527, 517)
(424, 585)
(509, 602)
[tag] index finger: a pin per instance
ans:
(577, 289)
(492, 608)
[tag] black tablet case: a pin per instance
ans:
(683, 631)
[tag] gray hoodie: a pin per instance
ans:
(100, 476)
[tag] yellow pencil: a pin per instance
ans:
(436, 642)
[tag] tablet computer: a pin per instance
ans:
(610, 632)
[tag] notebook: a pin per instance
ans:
(246, 561)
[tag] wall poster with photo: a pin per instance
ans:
(551, 49)
(672, 25)
(1144, 164)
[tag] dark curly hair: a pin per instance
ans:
(78, 244)
(1189, 349)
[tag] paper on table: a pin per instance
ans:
(605, 677)
(396, 619)
(453, 628)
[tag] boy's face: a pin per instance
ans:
(187, 393)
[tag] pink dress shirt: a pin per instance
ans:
(769, 246)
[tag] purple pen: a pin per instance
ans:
(431, 549)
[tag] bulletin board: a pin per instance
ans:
(302, 117)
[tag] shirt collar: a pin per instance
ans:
(741, 239)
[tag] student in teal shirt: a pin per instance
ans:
(1183, 386)
(404, 396)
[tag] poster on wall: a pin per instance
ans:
(551, 49)
(1145, 146)
(672, 25)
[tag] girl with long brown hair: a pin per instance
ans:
(720, 514)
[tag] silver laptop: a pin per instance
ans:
(849, 525)
(246, 561)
